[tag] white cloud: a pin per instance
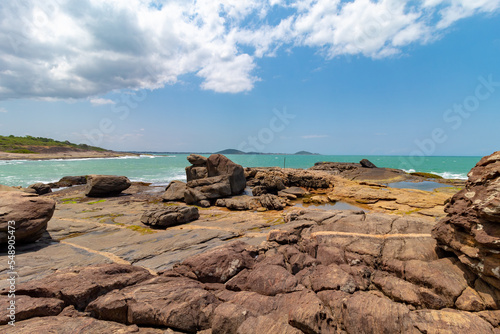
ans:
(3, 110)
(101, 102)
(68, 49)
(314, 136)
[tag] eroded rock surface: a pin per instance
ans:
(472, 227)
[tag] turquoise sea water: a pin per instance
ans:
(161, 169)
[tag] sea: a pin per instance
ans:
(160, 169)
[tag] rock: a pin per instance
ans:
(268, 280)
(446, 321)
(27, 307)
(175, 302)
(228, 318)
(69, 181)
(29, 212)
(207, 188)
(79, 286)
(367, 164)
(368, 313)
(61, 324)
(272, 202)
(296, 191)
(174, 191)
(330, 277)
(286, 195)
(220, 264)
(470, 300)
(242, 202)
(196, 173)
(197, 160)
(106, 185)
(471, 228)
(266, 324)
(41, 188)
(218, 164)
(170, 216)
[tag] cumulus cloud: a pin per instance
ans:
(101, 102)
(3, 110)
(69, 49)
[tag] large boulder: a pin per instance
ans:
(170, 216)
(212, 178)
(174, 191)
(217, 164)
(472, 227)
(106, 185)
(29, 212)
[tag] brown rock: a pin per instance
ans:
(266, 324)
(197, 160)
(443, 276)
(470, 300)
(196, 173)
(176, 302)
(228, 317)
(328, 278)
(41, 188)
(170, 216)
(220, 264)
(446, 321)
(174, 191)
(29, 212)
(268, 280)
(272, 202)
(26, 307)
(368, 313)
(106, 185)
(61, 324)
(79, 286)
(471, 228)
(218, 164)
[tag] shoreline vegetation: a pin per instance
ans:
(40, 148)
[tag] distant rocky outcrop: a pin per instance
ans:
(106, 185)
(472, 227)
(29, 212)
(208, 180)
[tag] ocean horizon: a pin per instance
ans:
(162, 168)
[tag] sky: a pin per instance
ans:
(387, 77)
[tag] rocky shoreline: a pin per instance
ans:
(243, 257)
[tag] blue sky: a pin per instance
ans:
(358, 77)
